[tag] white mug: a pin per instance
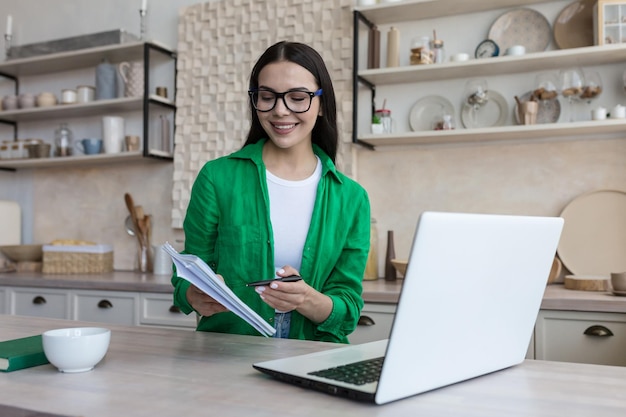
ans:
(598, 114)
(618, 112)
(113, 134)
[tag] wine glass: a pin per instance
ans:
(476, 95)
(592, 87)
(572, 82)
(546, 86)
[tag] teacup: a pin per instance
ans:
(515, 50)
(618, 281)
(89, 146)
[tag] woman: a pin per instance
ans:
(278, 207)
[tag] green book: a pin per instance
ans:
(22, 353)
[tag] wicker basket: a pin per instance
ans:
(88, 259)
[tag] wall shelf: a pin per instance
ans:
(502, 65)
(415, 10)
(82, 160)
(503, 133)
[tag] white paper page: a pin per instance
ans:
(197, 272)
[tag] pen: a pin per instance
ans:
(291, 278)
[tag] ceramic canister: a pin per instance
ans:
(113, 134)
(106, 81)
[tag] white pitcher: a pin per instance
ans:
(132, 74)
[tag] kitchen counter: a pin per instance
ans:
(556, 296)
(165, 372)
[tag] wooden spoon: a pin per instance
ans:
(130, 204)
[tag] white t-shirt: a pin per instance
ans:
(291, 208)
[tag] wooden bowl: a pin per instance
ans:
(400, 265)
(23, 253)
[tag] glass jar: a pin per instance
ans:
(63, 141)
(439, 53)
(421, 52)
(385, 119)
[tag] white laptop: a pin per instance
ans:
(468, 306)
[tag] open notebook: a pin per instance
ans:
(196, 271)
(468, 304)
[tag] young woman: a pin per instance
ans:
(279, 207)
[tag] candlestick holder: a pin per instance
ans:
(7, 43)
(142, 24)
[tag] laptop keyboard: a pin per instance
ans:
(358, 373)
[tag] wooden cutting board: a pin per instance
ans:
(586, 283)
(10, 223)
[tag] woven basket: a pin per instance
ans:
(83, 262)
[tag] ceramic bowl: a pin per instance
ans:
(400, 265)
(23, 253)
(76, 349)
(46, 100)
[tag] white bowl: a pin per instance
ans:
(76, 349)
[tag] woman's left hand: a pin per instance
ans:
(298, 295)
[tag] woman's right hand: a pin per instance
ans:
(202, 303)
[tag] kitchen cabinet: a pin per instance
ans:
(3, 301)
(412, 10)
(585, 337)
(374, 323)
(158, 310)
(39, 302)
(114, 307)
(159, 70)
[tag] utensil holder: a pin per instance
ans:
(144, 258)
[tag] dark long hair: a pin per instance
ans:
(324, 133)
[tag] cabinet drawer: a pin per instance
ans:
(159, 310)
(40, 303)
(374, 324)
(573, 336)
(4, 303)
(106, 307)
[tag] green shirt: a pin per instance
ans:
(228, 225)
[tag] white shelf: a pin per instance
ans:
(93, 108)
(415, 10)
(81, 160)
(408, 10)
(81, 58)
(492, 134)
(551, 60)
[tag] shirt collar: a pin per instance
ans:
(254, 152)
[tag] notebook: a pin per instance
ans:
(467, 307)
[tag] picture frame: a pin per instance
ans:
(609, 17)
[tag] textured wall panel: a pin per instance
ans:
(219, 42)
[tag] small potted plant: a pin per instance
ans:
(377, 125)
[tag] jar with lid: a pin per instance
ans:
(384, 115)
(63, 141)
(421, 52)
(439, 53)
(371, 268)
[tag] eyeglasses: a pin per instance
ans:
(296, 101)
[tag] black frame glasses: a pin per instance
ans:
(254, 96)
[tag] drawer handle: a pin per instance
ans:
(599, 331)
(174, 309)
(105, 304)
(366, 321)
(39, 300)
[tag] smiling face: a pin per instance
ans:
(286, 129)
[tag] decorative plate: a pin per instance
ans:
(573, 28)
(426, 109)
(549, 110)
(593, 241)
(493, 113)
(525, 27)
